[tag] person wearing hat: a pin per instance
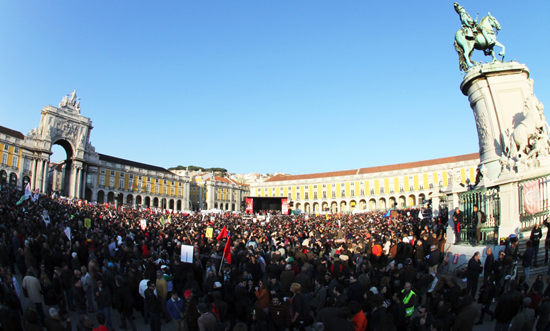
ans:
(190, 311)
(207, 320)
(53, 322)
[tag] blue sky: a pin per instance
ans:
(258, 86)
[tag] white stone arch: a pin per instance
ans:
(402, 201)
(411, 201)
(372, 204)
(421, 198)
(315, 207)
(334, 206)
(391, 202)
(343, 206)
(382, 204)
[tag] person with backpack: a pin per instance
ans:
(479, 219)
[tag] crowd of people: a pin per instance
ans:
(325, 272)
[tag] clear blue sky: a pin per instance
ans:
(259, 86)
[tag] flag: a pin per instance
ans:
(25, 196)
(388, 214)
(169, 220)
(420, 216)
(161, 221)
(227, 250)
(68, 232)
(28, 192)
(222, 234)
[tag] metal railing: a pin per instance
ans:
(536, 190)
(488, 201)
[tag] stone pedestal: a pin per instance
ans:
(497, 93)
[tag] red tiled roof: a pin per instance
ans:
(12, 133)
(393, 167)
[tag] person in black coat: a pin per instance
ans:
(453, 293)
(489, 263)
(508, 306)
(104, 299)
(125, 305)
(474, 270)
(153, 304)
(536, 235)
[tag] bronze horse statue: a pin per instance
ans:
(465, 45)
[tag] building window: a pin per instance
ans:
(14, 161)
(112, 172)
(289, 195)
(16, 150)
(173, 190)
(333, 194)
(324, 194)
(103, 171)
(324, 185)
(352, 193)
(343, 193)
(111, 182)
(306, 195)
(315, 195)
(273, 192)
(102, 180)
(148, 187)
(362, 192)
(121, 183)
(179, 191)
(6, 148)
(381, 190)
(297, 195)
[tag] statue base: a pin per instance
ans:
(497, 93)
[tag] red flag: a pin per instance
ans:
(227, 250)
(223, 234)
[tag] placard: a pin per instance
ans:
(209, 232)
(87, 222)
(187, 253)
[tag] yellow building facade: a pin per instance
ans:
(132, 183)
(375, 188)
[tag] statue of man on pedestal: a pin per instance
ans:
(470, 26)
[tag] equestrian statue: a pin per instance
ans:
(474, 35)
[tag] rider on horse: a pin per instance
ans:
(470, 27)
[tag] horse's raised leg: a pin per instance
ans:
(501, 46)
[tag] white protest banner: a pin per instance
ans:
(187, 253)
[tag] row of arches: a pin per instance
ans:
(131, 200)
(372, 204)
(12, 179)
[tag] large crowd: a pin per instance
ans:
(322, 272)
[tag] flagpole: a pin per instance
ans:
(221, 263)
